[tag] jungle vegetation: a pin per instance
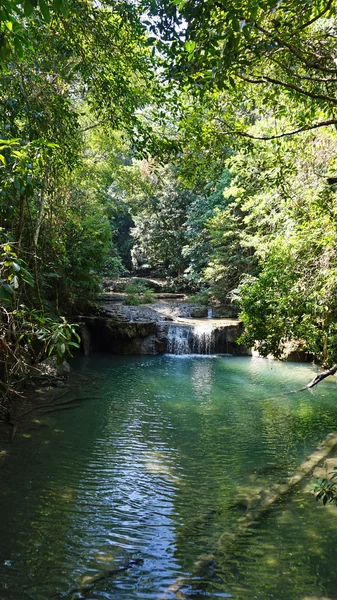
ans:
(186, 139)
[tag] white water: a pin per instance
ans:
(178, 341)
(203, 338)
(187, 339)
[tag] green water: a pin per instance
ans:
(137, 484)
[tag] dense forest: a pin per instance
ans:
(189, 140)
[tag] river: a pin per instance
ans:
(127, 495)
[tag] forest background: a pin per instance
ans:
(186, 139)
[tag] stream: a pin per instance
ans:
(130, 491)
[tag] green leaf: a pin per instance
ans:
(16, 267)
(8, 288)
(190, 46)
(44, 10)
(28, 8)
(18, 47)
(4, 295)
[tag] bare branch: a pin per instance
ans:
(318, 378)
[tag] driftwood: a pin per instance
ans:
(260, 506)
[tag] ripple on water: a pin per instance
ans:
(130, 492)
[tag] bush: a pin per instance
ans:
(325, 489)
(138, 293)
(202, 297)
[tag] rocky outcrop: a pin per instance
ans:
(122, 337)
(109, 334)
(151, 328)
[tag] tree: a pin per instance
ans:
(287, 50)
(70, 74)
(289, 222)
(159, 235)
(65, 74)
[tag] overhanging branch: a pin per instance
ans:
(279, 135)
(314, 19)
(296, 52)
(318, 378)
(290, 86)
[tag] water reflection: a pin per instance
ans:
(202, 379)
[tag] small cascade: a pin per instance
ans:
(210, 313)
(197, 338)
(178, 339)
(203, 338)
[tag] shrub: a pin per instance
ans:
(138, 293)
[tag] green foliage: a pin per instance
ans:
(138, 293)
(59, 153)
(202, 297)
(57, 337)
(12, 272)
(26, 335)
(325, 488)
(288, 221)
(13, 15)
(159, 216)
(200, 211)
(284, 50)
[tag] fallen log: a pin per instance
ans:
(260, 506)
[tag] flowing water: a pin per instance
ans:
(199, 336)
(126, 495)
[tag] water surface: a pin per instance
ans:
(125, 496)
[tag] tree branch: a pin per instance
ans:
(314, 19)
(279, 135)
(90, 127)
(289, 86)
(298, 76)
(295, 51)
(318, 378)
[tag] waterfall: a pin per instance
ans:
(196, 338)
(178, 341)
(203, 338)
